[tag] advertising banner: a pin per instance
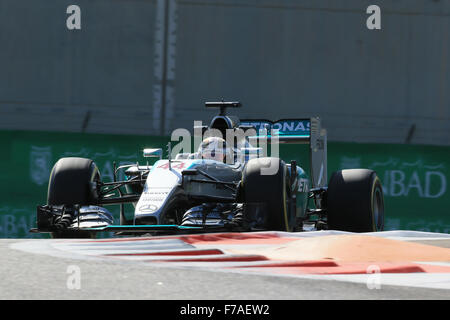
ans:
(415, 181)
(28, 158)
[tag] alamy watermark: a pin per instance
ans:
(374, 278)
(373, 22)
(73, 21)
(73, 281)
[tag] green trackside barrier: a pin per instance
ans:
(28, 157)
(415, 181)
(415, 178)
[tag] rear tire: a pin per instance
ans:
(355, 201)
(270, 190)
(70, 184)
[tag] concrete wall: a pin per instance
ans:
(51, 77)
(146, 67)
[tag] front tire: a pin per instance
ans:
(355, 201)
(71, 182)
(270, 190)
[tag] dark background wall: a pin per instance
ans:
(146, 66)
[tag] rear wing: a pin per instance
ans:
(297, 131)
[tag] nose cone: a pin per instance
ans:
(162, 180)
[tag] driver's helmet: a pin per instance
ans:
(214, 148)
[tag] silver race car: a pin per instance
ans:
(228, 184)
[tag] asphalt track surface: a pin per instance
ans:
(29, 275)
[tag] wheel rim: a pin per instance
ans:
(378, 209)
(285, 206)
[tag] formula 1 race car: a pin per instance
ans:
(228, 184)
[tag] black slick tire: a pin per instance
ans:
(269, 190)
(355, 201)
(70, 184)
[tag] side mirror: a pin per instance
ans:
(189, 172)
(153, 153)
